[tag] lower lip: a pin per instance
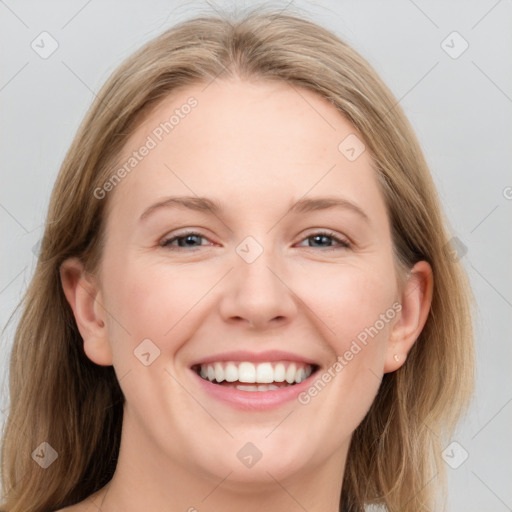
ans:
(254, 400)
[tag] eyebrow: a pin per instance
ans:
(204, 204)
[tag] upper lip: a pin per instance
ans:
(254, 357)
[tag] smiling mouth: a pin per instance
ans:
(247, 376)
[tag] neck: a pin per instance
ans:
(147, 479)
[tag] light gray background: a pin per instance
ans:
(460, 108)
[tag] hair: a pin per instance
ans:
(58, 396)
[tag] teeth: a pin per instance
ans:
(263, 374)
(279, 372)
(247, 372)
(231, 372)
(300, 375)
(260, 387)
(219, 372)
(290, 373)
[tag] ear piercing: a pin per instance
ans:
(396, 358)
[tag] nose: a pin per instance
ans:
(258, 294)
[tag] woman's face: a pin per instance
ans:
(278, 282)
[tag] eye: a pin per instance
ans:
(190, 240)
(324, 236)
(184, 240)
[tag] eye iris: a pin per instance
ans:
(187, 239)
(320, 238)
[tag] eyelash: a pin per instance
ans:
(344, 243)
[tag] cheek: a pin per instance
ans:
(154, 300)
(358, 310)
(354, 303)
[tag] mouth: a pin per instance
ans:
(255, 377)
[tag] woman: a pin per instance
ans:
(259, 368)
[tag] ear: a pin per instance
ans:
(84, 297)
(415, 300)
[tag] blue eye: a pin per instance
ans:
(185, 240)
(323, 236)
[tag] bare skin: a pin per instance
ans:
(256, 148)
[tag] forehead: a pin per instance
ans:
(240, 140)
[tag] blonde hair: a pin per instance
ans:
(58, 396)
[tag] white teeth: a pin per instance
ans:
(263, 374)
(231, 373)
(290, 373)
(247, 372)
(300, 375)
(247, 388)
(279, 372)
(219, 372)
(260, 387)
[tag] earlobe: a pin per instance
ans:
(84, 298)
(416, 300)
